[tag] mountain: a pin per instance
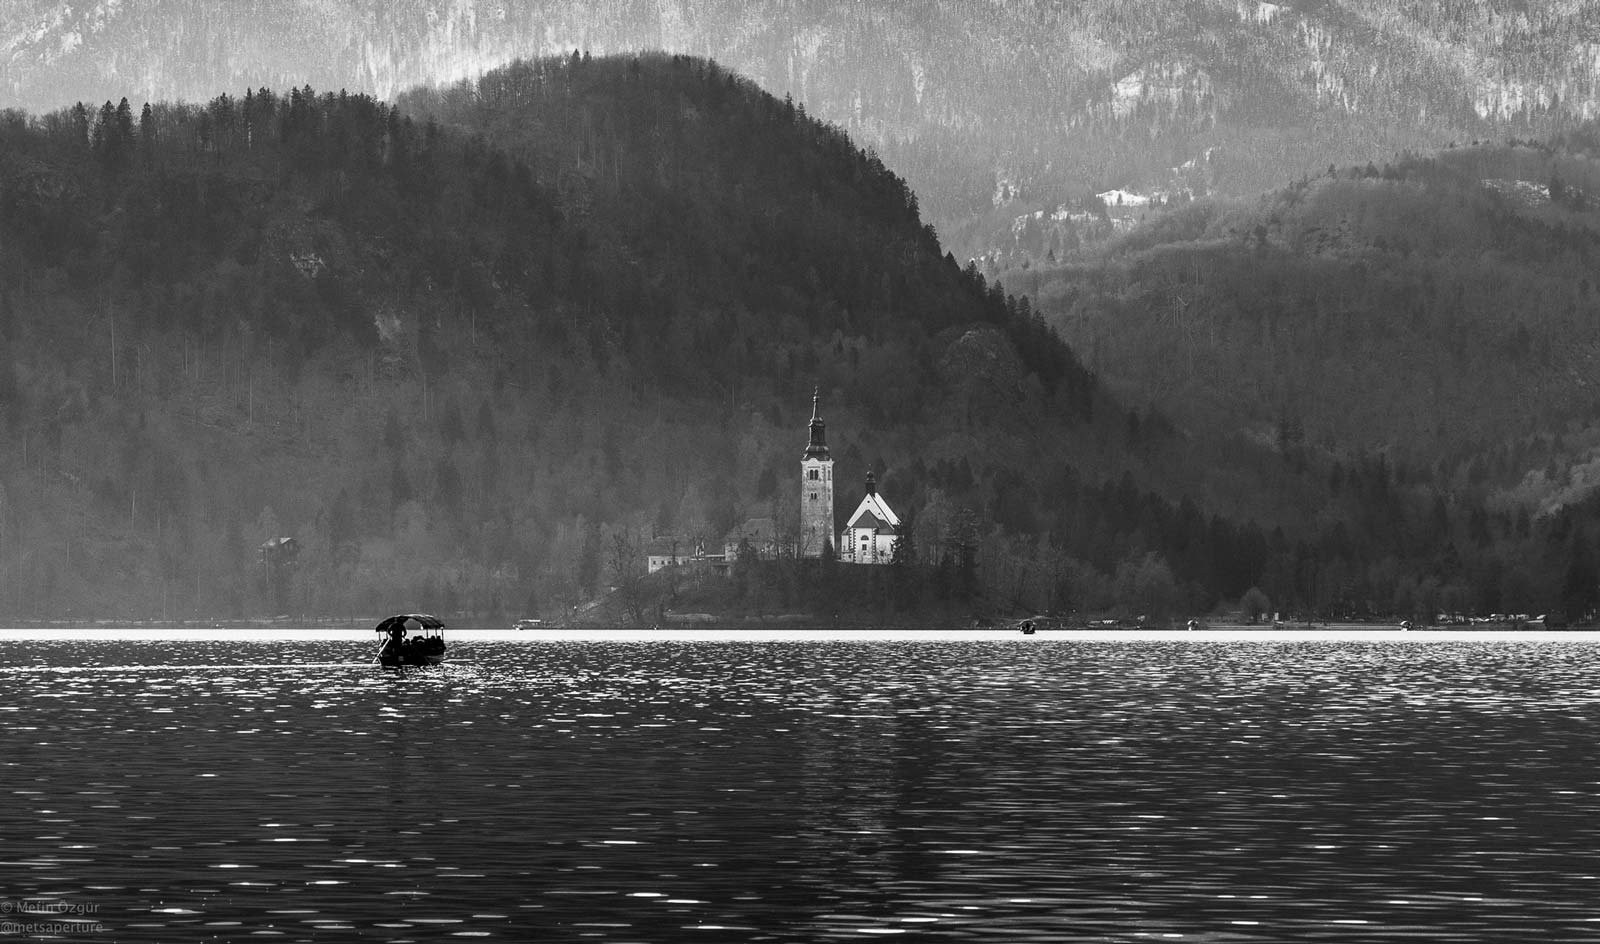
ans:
(1443, 309)
(461, 373)
(1439, 314)
(993, 112)
(471, 354)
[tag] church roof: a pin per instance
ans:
(874, 512)
(866, 519)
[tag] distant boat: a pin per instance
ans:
(426, 647)
(528, 624)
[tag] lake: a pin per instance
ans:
(697, 786)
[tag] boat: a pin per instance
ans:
(528, 624)
(425, 647)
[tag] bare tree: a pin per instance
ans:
(627, 573)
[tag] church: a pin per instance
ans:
(868, 536)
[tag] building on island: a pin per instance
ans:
(760, 534)
(869, 536)
(667, 552)
(664, 552)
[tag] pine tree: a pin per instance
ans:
(1579, 589)
(124, 126)
(963, 553)
(905, 576)
(147, 134)
(79, 122)
(104, 131)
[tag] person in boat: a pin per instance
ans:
(395, 647)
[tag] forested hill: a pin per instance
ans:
(728, 232)
(455, 369)
(1444, 309)
(471, 353)
(1438, 315)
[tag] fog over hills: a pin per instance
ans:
(987, 109)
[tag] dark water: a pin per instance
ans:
(1003, 790)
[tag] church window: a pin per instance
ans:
(811, 474)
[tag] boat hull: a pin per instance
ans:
(412, 653)
(391, 663)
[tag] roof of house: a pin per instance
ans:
(667, 546)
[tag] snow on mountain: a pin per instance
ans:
(1027, 100)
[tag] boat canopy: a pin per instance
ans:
(423, 621)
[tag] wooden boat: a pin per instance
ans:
(425, 647)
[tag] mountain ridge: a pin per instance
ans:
(1011, 106)
(1428, 309)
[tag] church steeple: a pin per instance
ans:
(818, 447)
(816, 488)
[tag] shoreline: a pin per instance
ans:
(1008, 627)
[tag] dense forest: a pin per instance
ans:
(473, 351)
(1438, 314)
(1443, 307)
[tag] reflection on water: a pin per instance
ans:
(1044, 789)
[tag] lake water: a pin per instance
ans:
(177, 786)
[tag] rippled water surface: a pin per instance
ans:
(663, 788)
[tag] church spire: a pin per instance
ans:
(817, 531)
(818, 447)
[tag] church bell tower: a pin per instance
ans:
(816, 489)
